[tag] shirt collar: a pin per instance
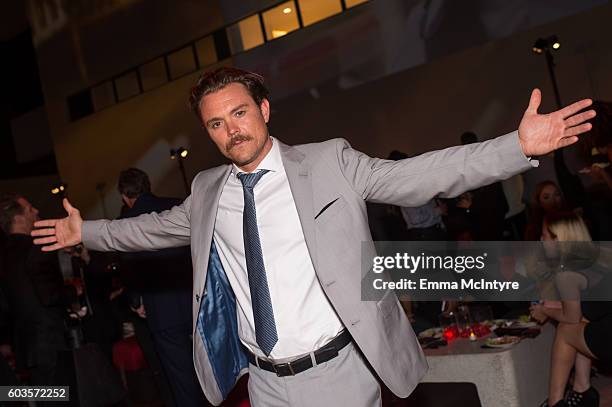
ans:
(272, 161)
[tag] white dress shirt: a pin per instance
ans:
(305, 320)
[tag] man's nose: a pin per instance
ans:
(232, 129)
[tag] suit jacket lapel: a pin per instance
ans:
(299, 175)
(209, 204)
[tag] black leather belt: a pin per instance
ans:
(323, 354)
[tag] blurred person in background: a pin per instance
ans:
(488, 205)
(164, 281)
(584, 330)
(546, 199)
(35, 290)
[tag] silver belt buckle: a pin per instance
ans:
(283, 365)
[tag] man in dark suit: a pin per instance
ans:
(165, 282)
(35, 291)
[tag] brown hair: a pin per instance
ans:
(215, 80)
(9, 208)
(133, 182)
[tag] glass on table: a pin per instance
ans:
(448, 323)
(463, 320)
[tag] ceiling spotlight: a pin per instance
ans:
(544, 44)
(180, 152)
(58, 188)
(287, 10)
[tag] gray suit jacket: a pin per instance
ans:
(330, 183)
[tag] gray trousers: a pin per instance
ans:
(343, 380)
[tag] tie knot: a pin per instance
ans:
(249, 180)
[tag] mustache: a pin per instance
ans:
(237, 139)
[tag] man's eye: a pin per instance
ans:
(240, 113)
(215, 125)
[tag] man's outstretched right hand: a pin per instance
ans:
(59, 233)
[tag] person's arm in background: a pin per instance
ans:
(569, 284)
(600, 174)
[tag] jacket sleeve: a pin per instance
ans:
(445, 173)
(152, 231)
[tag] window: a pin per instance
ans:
(103, 96)
(153, 74)
(317, 10)
(245, 34)
(352, 3)
(181, 62)
(280, 20)
(127, 86)
(80, 105)
(205, 48)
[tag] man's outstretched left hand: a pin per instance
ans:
(540, 134)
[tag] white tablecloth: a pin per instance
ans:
(513, 377)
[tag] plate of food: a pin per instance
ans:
(521, 324)
(524, 321)
(505, 341)
(431, 333)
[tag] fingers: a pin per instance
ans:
(52, 248)
(579, 118)
(575, 108)
(46, 223)
(567, 141)
(69, 208)
(43, 232)
(534, 101)
(45, 240)
(576, 130)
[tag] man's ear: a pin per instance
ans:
(265, 109)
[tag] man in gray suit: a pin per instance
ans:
(276, 240)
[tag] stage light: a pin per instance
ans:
(180, 152)
(58, 189)
(545, 44)
(540, 45)
(287, 10)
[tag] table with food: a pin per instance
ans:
(507, 360)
